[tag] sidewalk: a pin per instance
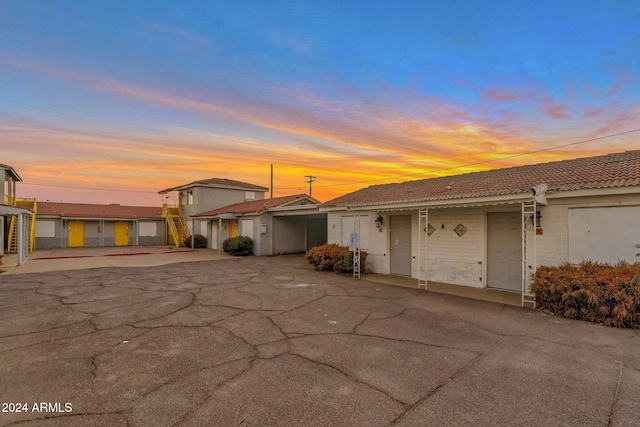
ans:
(123, 256)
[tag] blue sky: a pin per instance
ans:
(113, 101)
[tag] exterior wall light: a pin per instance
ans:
(538, 217)
(379, 222)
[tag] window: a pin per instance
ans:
(189, 197)
(145, 229)
(249, 195)
(46, 228)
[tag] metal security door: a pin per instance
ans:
(400, 244)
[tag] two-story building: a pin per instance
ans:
(182, 202)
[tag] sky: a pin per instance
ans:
(112, 102)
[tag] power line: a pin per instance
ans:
(481, 162)
(312, 178)
(89, 188)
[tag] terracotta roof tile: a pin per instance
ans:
(253, 206)
(85, 210)
(611, 170)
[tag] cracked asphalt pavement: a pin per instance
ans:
(270, 342)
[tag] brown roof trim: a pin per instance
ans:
(96, 211)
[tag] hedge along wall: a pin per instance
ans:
(597, 292)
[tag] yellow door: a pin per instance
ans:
(122, 234)
(75, 234)
(233, 228)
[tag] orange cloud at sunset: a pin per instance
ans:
(101, 154)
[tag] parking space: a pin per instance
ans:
(270, 342)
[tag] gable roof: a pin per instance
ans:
(607, 171)
(259, 206)
(217, 183)
(86, 210)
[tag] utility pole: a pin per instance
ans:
(310, 180)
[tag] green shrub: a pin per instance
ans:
(238, 246)
(598, 292)
(332, 257)
(199, 241)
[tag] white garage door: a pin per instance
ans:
(604, 234)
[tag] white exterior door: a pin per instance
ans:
(214, 235)
(400, 244)
(504, 251)
(247, 228)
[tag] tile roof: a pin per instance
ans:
(85, 210)
(217, 182)
(611, 170)
(255, 206)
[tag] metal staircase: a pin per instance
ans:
(177, 224)
(31, 204)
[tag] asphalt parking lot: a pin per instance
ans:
(270, 342)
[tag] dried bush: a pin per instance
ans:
(238, 246)
(199, 241)
(598, 292)
(332, 257)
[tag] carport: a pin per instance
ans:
(295, 231)
(281, 225)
